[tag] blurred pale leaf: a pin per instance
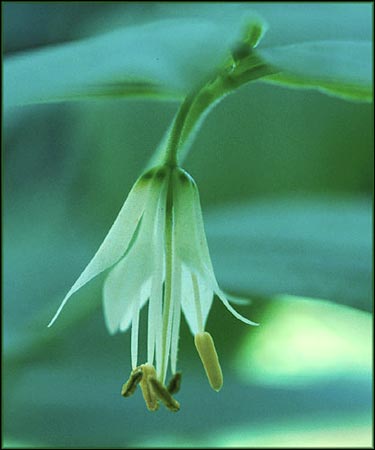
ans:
(351, 431)
(312, 341)
(338, 68)
(311, 21)
(162, 59)
(165, 59)
(314, 247)
(292, 22)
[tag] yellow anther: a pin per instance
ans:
(175, 383)
(153, 390)
(129, 387)
(162, 393)
(147, 390)
(207, 352)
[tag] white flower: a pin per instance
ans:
(156, 251)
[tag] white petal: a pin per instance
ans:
(123, 287)
(144, 295)
(168, 308)
(154, 334)
(237, 300)
(204, 251)
(155, 318)
(195, 309)
(191, 242)
(117, 240)
(176, 296)
(134, 334)
(192, 248)
(211, 279)
(124, 283)
(230, 308)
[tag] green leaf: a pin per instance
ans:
(312, 21)
(312, 247)
(162, 59)
(340, 68)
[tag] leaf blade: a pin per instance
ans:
(163, 59)
(340, 68)
(316, 247)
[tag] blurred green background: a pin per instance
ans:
(286, 184)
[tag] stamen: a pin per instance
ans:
(147, 389)
(156, 289)
(207, 352)
(176, 294)
(197, 303)
(164, 395)
(174, 384)
(134, 334)
(130, 386)
(152, 389)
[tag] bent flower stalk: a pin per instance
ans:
(156, 251)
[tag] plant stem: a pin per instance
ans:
(199, 103)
